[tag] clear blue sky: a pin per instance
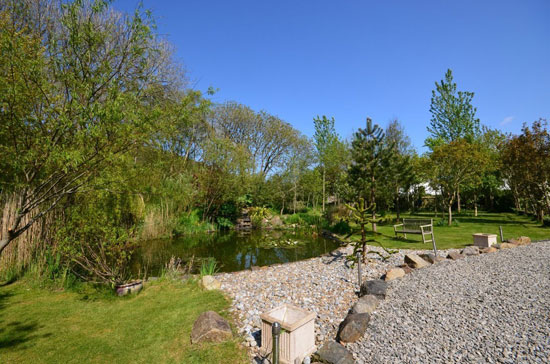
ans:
(352, 59)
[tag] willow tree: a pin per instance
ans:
(78, 87)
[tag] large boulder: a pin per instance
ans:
(353, 327)
(414, 261)
(454, 255)
(210, 327)
(276, 221)
(376, 288)
(470, 250)
(334, 353)
(365, 304)
(394, 273)
(210, 283)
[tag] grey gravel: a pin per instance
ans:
(491, 308)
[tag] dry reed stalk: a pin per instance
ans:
(24, 249)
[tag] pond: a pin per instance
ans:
(233, 250)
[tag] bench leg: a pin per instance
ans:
(405, 235)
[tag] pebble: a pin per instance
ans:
(485, 308)
(326, 285)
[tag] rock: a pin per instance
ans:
(334, 353)
(394, 273)
(353, 327)
(365, 304)
(454, 256)
(406, 268)
(522, 240)
(276, 221)
(307, 360)
(507, 246)
(414, 261)
(429, 257)
(490, 249)
(254, 268)
(209, 283)
(439, 259)
(210, 327)
(376, 287)
(470, 250)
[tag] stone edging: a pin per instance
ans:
(354, 326)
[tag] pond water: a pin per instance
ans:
(233, 250)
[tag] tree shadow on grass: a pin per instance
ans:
(15, 333)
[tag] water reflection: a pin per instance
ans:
(233, 250)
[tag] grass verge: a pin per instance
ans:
(460, 234)
(43, 326)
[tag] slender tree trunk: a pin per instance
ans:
(294, 202)
(458, 199)
(363, 243)
(324, 198)
(450, 216)
(475, 205)
(373, 202)
(450, 219)
(397, 202)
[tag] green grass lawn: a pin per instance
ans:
(44, 326)
(460, 235)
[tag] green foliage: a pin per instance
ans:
(190, 223)
(208, 267)
(341, 227)
(453, 116)
(305, 219)
(362, 216)
(258, 214)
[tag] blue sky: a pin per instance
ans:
(353, 59)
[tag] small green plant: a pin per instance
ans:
(209, 267)
(258, 214)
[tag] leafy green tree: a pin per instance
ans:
(526, 161)
(399, 171)
(452, 165)
(76, 79)
(325, 138)
(453, 115)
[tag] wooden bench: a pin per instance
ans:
(416, 226)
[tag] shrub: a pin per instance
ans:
(341, 227)
(191, 223)
(258, 214)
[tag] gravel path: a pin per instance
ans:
(492, 308)
(325, 285)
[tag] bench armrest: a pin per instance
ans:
(423, 226)
(394, 226)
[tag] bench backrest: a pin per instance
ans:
(415, 224)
